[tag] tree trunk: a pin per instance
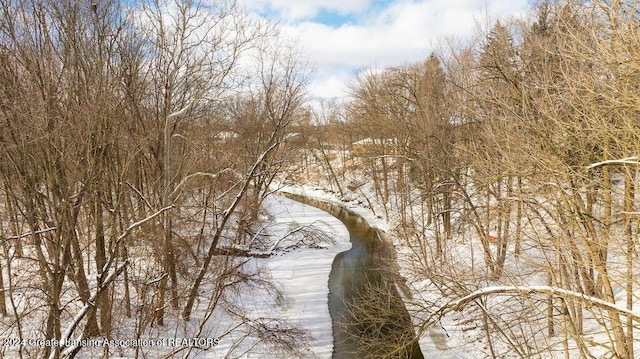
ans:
(484, 233)
(550, 324)
(517, 250)
(446, 213)
(102, 301)
(603, 245)
(629, 207)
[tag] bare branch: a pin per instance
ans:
(624, 161)
(66, 337)
(188, 178)
(461, 303)
(31, 233)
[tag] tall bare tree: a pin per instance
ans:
(193, 53)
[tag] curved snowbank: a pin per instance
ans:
(303, 274)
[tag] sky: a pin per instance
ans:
(343, 37)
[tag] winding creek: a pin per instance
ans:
(361, 285)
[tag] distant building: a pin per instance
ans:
(224, 136)
(374, 146)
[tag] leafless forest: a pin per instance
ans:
(138, 140)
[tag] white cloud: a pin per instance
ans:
(400, 33)
(333, 84)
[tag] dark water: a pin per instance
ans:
(368, 316)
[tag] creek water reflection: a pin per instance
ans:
(360, 285)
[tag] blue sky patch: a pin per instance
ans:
(335, 19)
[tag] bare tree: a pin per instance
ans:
(193, 55)
(274, 106)
(109, 113)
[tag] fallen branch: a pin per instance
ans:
(305, 230)
(240, 252)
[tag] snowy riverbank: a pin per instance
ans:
(302, 275)
(434, 340)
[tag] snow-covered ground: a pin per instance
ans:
(302, 275)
